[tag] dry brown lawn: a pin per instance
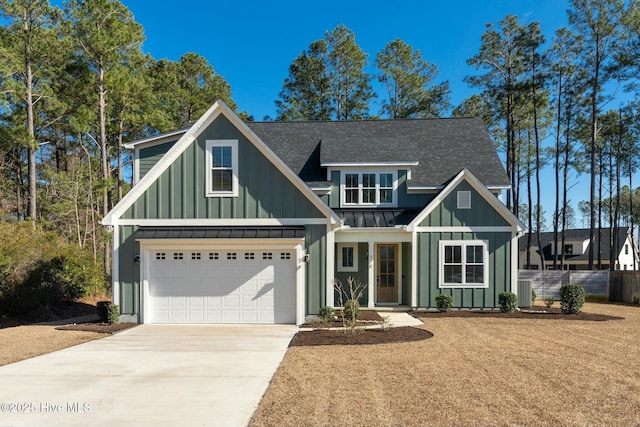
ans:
(473, 372)
(23, 342)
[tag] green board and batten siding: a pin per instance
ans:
(481, 214)
(362, 275)
(151, 155)
(316, 245)
(499, 246)
(264, 192)
(129, 271)
(406, 273)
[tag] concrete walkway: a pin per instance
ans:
(398, 319)
(149, 375)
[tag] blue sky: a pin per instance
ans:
(252, 43)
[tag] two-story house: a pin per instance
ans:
(234, 222)
(574, 255)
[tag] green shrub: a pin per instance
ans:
(351, 309)
(549, 301)
(444, 302)
(508, 302)
(327, 313)
(571, 298)
(636, 298)
(533, 296)
(113, 314)
(102, 307)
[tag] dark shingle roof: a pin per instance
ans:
(578, 234)
(442, 147)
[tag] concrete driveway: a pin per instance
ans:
(152, 375)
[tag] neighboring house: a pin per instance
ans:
(576, 250)
(234, 222)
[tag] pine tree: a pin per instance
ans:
(410, 85)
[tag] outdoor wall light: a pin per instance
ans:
(305, 258)
(136, 259)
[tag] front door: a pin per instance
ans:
(387, 273)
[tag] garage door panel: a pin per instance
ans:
(204, 286)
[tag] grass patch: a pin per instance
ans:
(474, 371)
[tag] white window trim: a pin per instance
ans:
(233, 143)
(394, 188)
(464, 244)
(345, 268)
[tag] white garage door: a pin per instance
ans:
(222, 286)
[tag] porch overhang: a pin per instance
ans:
(281, 232)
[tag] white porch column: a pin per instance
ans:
(372, 274)
(330, 265)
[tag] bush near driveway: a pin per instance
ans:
(40, 273)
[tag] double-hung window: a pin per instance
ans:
(464, 264)
(351, 188)
(386, 188)
(368, 189)
(222, 168)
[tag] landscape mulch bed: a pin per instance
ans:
(552, 313)
(366, 318)
(359, 337)
(104, 328)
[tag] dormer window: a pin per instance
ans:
(369, 188)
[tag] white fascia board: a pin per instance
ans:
(154, 140)
(367, 164)
(465, 229)
(213, 222)
(498, 187)
(465, 174)
(431, 188)
(321, 190)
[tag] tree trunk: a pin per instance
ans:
(631, 207)
(537, 142)
(119, 152)
(104, 163)
(31, 161)
(530, 203)
(594, 140)
(556, 217)
(599, 234)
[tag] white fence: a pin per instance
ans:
(547, 283)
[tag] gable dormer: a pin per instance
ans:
(367, 185)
